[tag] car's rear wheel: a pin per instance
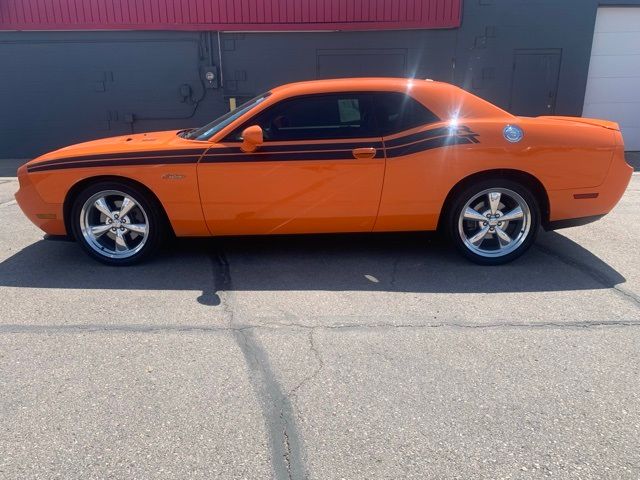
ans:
(494, 221)
(117, 223)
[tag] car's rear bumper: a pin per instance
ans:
(46, 216)
(573, 207)
(571, 222)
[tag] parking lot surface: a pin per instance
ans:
(323, 357)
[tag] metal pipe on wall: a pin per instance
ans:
(220, 61)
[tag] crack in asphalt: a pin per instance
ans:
(134, 328)
(286, 449)
(627, 293)
(316, 352)
(480, 326)
(600, 277)
(287, 453)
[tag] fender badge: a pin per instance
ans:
(513, 133)
(173, 176)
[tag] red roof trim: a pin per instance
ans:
(258, 15)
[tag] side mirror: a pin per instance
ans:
(252, 138)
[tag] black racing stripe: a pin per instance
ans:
(426, 140)
(428, 144)
(284, 156)
(123, 155)
(296, 148)
(400, 150)
(148, 153)
(115, 162)
(470, 136)
(320, 146)
(223, 150)
(434, 132)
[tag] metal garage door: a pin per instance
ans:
(613, 85)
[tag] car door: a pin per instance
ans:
(415, 141)
(320, 169)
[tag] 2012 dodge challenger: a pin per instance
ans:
(346, 155)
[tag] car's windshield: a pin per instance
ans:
(206, 132)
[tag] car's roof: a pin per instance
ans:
(356, 83)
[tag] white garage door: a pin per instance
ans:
(613, 85)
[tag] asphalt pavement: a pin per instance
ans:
(322, 357)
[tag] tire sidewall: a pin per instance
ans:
(155, 219)
(463, 196)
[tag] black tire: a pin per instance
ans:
(456, 229)
(147, 208)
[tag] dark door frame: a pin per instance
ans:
(537, 51)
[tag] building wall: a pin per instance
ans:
(58, 88)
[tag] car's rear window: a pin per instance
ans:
(397, 111)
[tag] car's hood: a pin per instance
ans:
(113, 145)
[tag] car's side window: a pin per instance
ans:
(315, 117)
(396, 112)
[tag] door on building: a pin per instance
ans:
(534, 83)
(320, 169)
(613, 83)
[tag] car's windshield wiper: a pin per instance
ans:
(185, 133)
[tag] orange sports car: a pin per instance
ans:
(348, 155)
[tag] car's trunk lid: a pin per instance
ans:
(589, 121)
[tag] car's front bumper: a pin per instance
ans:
(49, 217)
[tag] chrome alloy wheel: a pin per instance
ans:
(114, 224)
(495, 222)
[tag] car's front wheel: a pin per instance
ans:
(494, 221)
(116, 223)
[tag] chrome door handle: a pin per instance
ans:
(367, 152)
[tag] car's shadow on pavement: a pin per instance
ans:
(383, 262)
